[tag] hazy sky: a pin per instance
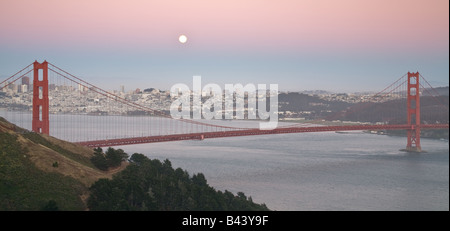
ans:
(337, 45)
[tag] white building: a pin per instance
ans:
(24, 88)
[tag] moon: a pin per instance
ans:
(182, 38)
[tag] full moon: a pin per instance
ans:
(182, 38)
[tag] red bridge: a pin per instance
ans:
(57, 92)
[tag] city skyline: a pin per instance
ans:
(345, 46)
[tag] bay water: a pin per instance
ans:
(305, 171)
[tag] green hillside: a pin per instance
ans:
(25, 187)
(39, 172)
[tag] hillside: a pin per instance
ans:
(317, 108)
(442, 91)
(294, 101)
(431, 111)
(152, 185)
(38, 170)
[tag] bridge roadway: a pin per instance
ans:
(249, 132)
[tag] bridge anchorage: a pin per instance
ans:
(157, 126)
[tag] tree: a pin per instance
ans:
(98, 150)
(199, 179)
(112, 158)
(154, 185)
(115, 157)
(100, 161)
(50, 206)
(138, 158)
(242, 196)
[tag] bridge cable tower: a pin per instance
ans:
(413, 113)
(40, 122)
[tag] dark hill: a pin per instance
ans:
(40, 172)
(147, 185)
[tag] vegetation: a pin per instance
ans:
(50, 206)
(154, 185)
(38, 172)
(112, 158)
(388, 111)
(25, 187)
(38, 139)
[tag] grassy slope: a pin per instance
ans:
(25, 187)
(28, 179)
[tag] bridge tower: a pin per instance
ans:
(40, 122)
(413, 114)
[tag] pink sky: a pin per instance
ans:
(301, 44)
(319, 25)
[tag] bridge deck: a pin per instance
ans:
(249, 132)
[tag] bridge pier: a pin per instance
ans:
(40, 122)
(413, 113)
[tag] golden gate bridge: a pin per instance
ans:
(98, 113)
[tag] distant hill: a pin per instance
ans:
(302, 102)
(431, 111)
(441, 91)
(316, 92)
(312, 108)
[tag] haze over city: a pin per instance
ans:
(339, 46)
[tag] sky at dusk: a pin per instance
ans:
(345, 45)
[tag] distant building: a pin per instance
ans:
(82, 88)
(122, 88)
(24, 88)
(15, 88)
(137, 91)
(26, 81)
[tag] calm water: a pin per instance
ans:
(316, 171)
